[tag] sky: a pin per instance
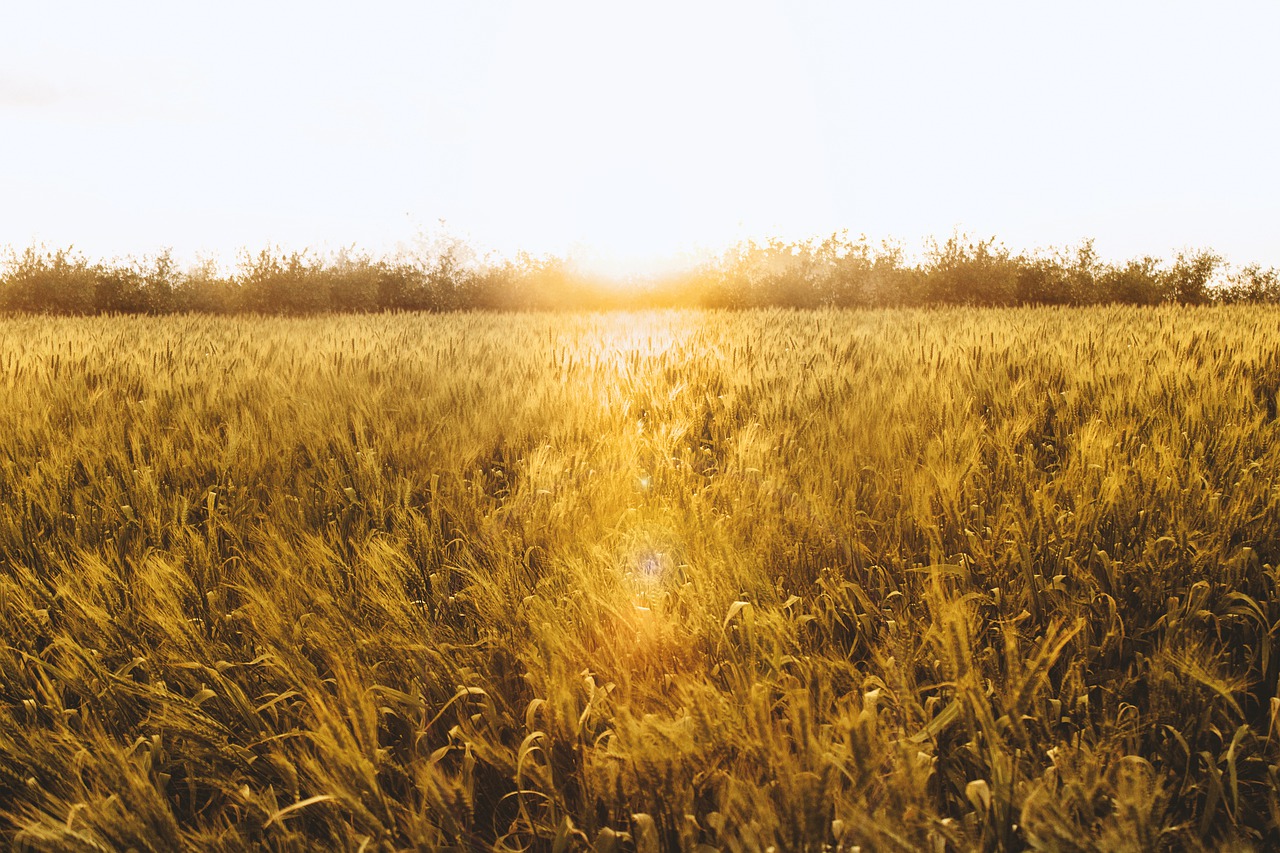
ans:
(632, 137)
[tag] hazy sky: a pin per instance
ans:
(630, 133)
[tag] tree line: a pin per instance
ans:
(835, 271)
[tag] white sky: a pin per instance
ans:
(626, 136)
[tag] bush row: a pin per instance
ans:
(835, 271)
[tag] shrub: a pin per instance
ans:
(961, 271)
(49, 282)
(446, 275)
(283, 283)
(1138, 282)
(1187, 281)
(1251, 284)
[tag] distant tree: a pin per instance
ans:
(202, 289)
(353, 282)
(444, 274)
(117, 289)
(1188, 280)
(58, 282)
(134, 286)
(1251, 284)
(961, 271)
(279, 283)
(159, 278)
(1137, 282)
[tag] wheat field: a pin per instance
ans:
(691, 580)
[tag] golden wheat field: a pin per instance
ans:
(909, 580)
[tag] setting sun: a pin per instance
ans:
(634, 139)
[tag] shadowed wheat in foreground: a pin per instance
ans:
(914, 580)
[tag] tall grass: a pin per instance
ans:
(898, 580)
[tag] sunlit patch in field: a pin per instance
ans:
(648, 573)
(649, 633)
(648, 563)
(651, 566)
(632, 343)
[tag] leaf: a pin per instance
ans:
(301, 804)
(978, 792)
(531, 712)
(609, 841)
(646, 832)
(743, 607)
(940, 721)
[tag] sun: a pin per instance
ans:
(621, 267)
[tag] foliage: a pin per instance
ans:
(939, 579)
(1252, 284)
(980, 273)
(59, 282)
(446, 275)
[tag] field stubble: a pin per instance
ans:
(916, 580)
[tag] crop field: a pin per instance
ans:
(909, 579)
